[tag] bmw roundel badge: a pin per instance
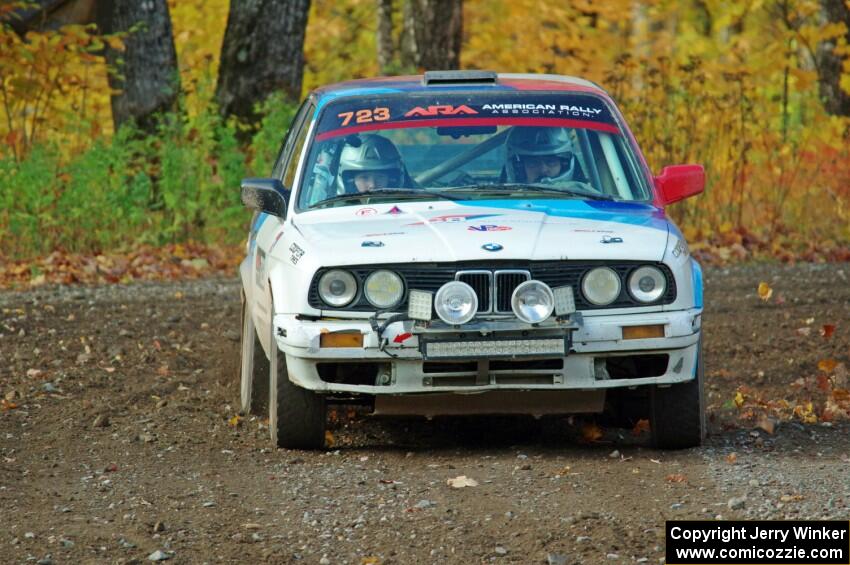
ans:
(492, 247)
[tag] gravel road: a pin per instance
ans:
(120, 443)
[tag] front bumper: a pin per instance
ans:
(594, 342)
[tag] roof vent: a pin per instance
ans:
(435, 78)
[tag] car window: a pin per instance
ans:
(476, 146)
(297, 132)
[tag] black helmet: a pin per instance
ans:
(536, 142)
(369, 153)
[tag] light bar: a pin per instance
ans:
(565, 302)
(419, 304)
(495, 348)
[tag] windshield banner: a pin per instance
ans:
(392, 112)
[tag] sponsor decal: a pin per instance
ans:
(297, 253)
(489, 227)
(609, 239)
(571, 110)
(366, 212)
(492, 247)
(592, 231)
(681, 249)
(442, 110)
(401, 338)
(453, 219)
(394, 211)
(372, 244)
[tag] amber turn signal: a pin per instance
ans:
(643, 332)
(341, 339)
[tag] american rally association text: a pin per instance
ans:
(725, 535)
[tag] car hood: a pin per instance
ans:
(485, 230)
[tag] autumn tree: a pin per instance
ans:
(430, 36)
(144, 77)
(832, 58)
(262, 52)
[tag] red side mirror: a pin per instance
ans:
(680, 181)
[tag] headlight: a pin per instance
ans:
(647, 284)
(337, 288)
(532, 301)
(601, 286)
(383, 289)
(456, 303)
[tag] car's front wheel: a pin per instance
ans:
(677, 412)
(254, 373)
(296, 415)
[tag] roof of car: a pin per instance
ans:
(421, 83)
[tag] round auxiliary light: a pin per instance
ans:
(647, 284)
(456, 303)
(337, 288)
(601, 286)
(383, 289)
(533, 301)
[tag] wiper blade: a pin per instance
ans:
(406, 192)
(532, 188)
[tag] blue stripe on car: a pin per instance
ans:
(696, 277)
(631, 213)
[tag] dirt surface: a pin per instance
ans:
(117, 441)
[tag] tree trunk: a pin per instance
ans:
(147, 81)
(385, 36)
(433, 34)
(262, 52)
(835, 100)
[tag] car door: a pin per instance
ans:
(268, 228)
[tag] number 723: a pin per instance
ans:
(365, 116)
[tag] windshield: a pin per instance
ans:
(468, 147)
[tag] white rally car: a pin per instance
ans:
(468, 243)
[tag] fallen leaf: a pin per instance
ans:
(765, 292)
(7, 404)
(461, 482)
(370, 560)
(330, 441)
(641, 426)
(739, 399)
(34, 373)
(235, 420)
(676, 478)
(732, 458)
(823, 383)
(827, 330)
(827, 365)
(591, 432)
(804, 331)
(767, 424)
(810, 321)
(805, 413)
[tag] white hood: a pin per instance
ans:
(449, 231)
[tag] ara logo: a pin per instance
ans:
(419, 111)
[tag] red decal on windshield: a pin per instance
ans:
(440, 111)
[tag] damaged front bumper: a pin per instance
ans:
(577, 354)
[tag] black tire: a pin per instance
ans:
(296, 415)
(254, 368)
(677, 412)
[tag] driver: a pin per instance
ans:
(541, 155)
(372, 162)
